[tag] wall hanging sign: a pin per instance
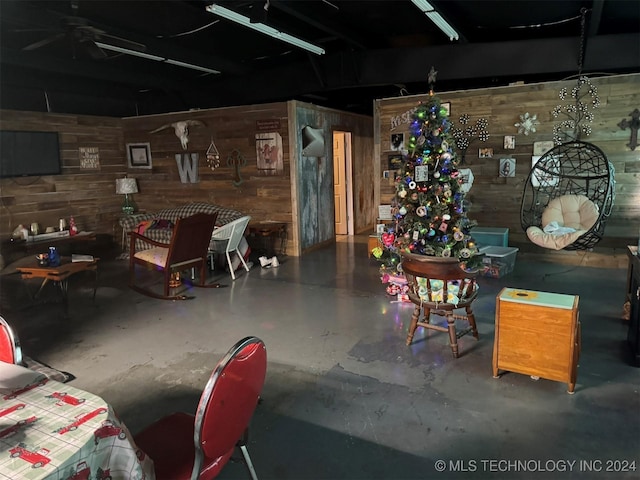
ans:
(540, 148)
(89, 158)
(139, 155)
(269, 153)
(268, 125)
(395, 161)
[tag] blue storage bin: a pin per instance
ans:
(490, 236)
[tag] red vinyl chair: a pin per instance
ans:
(184, 446)
(10, 351)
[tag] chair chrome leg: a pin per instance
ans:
(248, 462)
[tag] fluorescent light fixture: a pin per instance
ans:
(113, 48)
(426, 8)
(191, 66)
(262, 28)
(157, 58)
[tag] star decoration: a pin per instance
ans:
(527, 123)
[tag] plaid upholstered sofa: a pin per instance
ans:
(158, 226)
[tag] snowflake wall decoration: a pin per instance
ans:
(527, 124)
(577, 113)
(466, 133)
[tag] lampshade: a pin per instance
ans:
(125, 186)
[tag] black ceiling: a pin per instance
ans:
(374, 49)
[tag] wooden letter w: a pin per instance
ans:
(187, 167)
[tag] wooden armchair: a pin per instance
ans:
(187, 250)
(439, 286)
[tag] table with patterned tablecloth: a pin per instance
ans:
(50, 430)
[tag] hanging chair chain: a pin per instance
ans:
(583, 24)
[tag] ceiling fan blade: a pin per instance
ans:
(43, 42)
(93, 50)
(120, 42)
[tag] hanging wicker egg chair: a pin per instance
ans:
(570, 171)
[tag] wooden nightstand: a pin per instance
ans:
(537, 334)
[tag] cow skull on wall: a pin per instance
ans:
(181, 129)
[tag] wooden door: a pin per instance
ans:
(339, 183)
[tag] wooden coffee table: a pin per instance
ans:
(60, 276)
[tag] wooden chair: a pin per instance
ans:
(439, 286)
(187, 249)
(183, 446)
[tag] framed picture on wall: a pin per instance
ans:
(395, 161)
(397, 142)
(540, 148)
(509, 142)
(485, 152)
(139, 155)
(507, 167)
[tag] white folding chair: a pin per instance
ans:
(227, 239)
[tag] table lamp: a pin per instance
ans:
(127, 186)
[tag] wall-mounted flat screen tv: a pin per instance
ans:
(25, 154)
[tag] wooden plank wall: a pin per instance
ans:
(232, 130)
(87, 195)
(495, 201)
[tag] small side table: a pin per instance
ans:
(60, 276)
(267, 233)
(537, 334)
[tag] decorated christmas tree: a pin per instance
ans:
(429, 208)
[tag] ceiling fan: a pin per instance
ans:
(84, 37)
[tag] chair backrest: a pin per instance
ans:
(228, 400)
(439, 281)
(10, 350)
(190, 238)
(232, 231)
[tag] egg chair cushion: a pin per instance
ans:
(565, 219)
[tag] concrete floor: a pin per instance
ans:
(344, 397)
